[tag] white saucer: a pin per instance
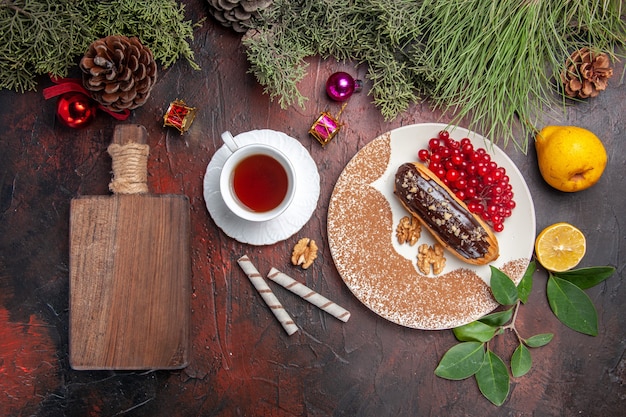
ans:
(283, 226)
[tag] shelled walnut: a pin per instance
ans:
(408, 230)
(304, 253)
(428, 256)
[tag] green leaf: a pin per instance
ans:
(585, 278)
(503, 288)
(539, 340)
(474, 332)
(526, 284)
(461, 361)
(499, 318)
(572, 306)
(521, 361)
(493, 379)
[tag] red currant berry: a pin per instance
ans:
(452, 175)
(457, 160)
(496, 190)
(453, 144)
(471, 168)
(444, 135)
(466, 141)
(460, 183)
(434, 166)
(482, 170)
(423, 155)
(496, 199)
(467, 149)
(475, 157)
(474, 207)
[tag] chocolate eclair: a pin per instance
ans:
(445, 215)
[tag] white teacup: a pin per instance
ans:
(257, 182)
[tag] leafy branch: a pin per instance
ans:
(379, 33)
(41, 37)
(492, 63)
(473, 356)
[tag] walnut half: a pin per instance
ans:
(408, 230)
(304, 253)
(428, 256)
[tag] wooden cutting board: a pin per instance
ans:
(130, 276)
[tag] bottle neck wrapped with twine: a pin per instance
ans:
(130, 168)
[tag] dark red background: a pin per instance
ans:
(242, 362)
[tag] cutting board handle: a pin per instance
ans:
(129, 154)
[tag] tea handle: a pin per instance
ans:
(230, 141)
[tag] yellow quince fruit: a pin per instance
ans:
(570, 158)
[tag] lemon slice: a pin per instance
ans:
(560, 247)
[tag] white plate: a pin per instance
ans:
(294, 217)
(362, 217)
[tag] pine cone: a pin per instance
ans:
(586, 74)
(237, 14)
(119, 72)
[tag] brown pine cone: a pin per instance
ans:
(237, 14)
(119, 72)
(586, 73)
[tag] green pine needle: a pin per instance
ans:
(497, 67)
(493, 63)
(48, 37)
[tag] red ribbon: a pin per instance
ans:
(72, 85)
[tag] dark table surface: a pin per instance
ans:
(241, 360)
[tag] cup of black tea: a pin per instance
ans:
(258, 181)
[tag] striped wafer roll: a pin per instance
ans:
(309, 295)
(268, 296)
